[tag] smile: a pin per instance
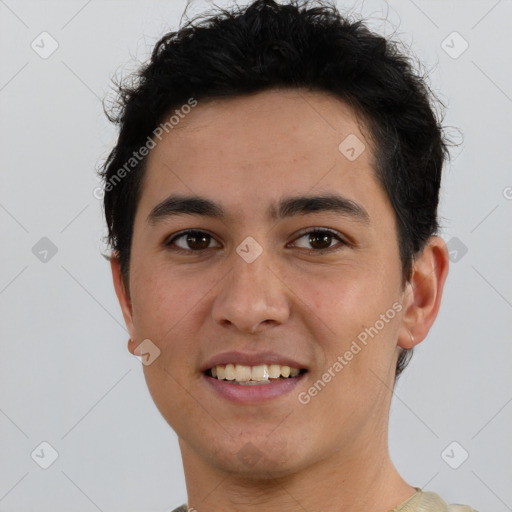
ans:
(242, 390)
(252, 375)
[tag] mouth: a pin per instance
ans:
(262, 374)
(247, 378)
(234, 383)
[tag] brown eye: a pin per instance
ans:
(191, 241)
(319, 240)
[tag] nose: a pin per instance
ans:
(252, 296)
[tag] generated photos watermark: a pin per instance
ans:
(305, 397)
(143, 151)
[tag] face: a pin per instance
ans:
(266, 271)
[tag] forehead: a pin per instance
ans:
(270, 121)
(255, 148)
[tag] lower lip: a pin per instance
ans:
(252, 394)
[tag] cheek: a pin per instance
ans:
(344, 298)
(164, 298)
(347, 306)
(170, 308)
(166, 309)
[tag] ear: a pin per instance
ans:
(422, 296)
(123, 296)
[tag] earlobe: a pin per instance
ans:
(122, 296)
(424, 292)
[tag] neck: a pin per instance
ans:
(357, 478)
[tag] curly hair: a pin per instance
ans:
(267, 45)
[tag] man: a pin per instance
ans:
(272, 210)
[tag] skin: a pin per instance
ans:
(247, 153)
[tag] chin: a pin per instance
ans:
(255, 457)
(262, 468)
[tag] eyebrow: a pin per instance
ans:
(176, 205)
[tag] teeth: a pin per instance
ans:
(274, 371)
(230, 371)
(294, 372)
(242, 373)
(252, 374)
(259, 372)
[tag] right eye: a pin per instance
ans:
(191, 241)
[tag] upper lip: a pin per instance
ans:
(251, 359)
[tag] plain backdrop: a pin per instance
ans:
(66, 377)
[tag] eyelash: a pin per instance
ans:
(330, 232)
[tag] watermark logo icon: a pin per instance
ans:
(44, 455)
(454, 455)
(249, 249)
(351, 147)
(147, 352)
(454, 45)
(456, 249)
(44, 250)
(249, 454)
(45, 45)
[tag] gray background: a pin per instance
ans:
(66, 376)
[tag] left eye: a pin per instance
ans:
(320, 239)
